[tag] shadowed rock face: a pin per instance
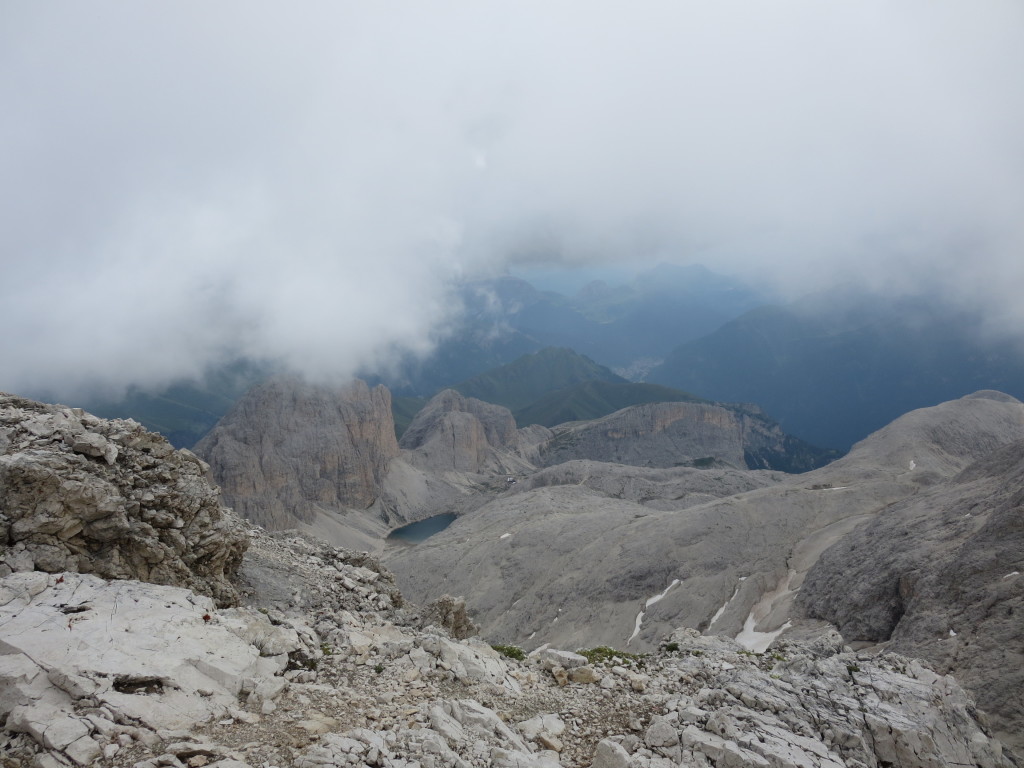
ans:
(681, 434)
(939, 576)
(79, 493)
(289, 448)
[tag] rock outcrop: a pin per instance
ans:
(658, 488)
(289, 450)
(463, 434)
(328, 668)
(682, 434)
(83, 494)
(938, 576)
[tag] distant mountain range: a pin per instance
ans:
(833, 368)
(618, 326)
(524, 381)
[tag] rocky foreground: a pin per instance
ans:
(302, 654)
(331, 670)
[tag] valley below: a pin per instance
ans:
(619, 530)
(659, 533)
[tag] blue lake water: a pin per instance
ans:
(414, 533)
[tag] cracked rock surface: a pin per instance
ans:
(79, 493)
(330, 668)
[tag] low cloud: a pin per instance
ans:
(185, 183)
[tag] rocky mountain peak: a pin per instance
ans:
(453, 432)
(289, 448)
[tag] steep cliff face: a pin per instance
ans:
(79, 493)
(463, 434)
(289, 449)
(681, 434)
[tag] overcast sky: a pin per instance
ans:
(185, 181)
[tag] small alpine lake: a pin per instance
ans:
(414, 533)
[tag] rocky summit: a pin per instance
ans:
(78, 493)
(271, 480)
(323, 663)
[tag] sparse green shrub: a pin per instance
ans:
(671, 647)
(511, 651)
(609, 656)
(379, 668)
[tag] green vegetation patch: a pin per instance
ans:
(511, 651)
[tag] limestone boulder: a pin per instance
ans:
(79, 655)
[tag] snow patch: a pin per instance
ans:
(720, 611)
(1011, 575)
(755, 641)
(952, 633)
(647, 604)
(652, 600)
(636, 628)
(749, 637)
(504, 535)
(913, 465)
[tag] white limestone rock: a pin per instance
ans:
(610, 755)
(552, 657)
(160, 656)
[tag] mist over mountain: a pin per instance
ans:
(504, 322)
(830, 367)
(320, 244)
(310, 188)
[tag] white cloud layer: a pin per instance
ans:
(180, 182)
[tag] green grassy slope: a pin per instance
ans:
(530, 377)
